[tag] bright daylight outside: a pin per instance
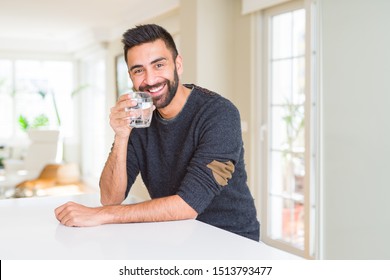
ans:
(286, 164)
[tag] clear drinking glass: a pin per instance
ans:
(142, 112)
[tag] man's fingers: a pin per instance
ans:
(63, 211)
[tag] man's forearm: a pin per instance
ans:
(113, 181)
(171, 208)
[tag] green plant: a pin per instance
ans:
(43, 94)
(39, 121)
(294, 120)
(23, 123)
(42, 120)
(78, 90)
(73, 93)
(293, 146)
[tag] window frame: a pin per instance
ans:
(261, 85)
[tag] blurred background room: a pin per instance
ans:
(309, 77)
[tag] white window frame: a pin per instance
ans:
(260, 138)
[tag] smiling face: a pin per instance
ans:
(153, 69)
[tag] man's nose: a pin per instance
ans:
(150, 77)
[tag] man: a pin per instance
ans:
(191, 158)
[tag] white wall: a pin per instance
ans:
(356, 130)
(207, 43)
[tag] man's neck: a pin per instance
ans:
(177, 103)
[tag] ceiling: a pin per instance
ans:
(67, 25)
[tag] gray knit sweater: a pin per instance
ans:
(199, 156)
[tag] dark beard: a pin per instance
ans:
(164, 100)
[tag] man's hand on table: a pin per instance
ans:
(76, 215)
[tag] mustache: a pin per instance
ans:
(148, 87)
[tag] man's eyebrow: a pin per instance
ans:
(158, 60)
(134, 66)
(152, 62)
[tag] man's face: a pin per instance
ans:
(152, 69)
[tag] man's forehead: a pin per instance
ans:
(148, 52)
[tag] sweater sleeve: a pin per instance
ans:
(218, 150)
(132, 166)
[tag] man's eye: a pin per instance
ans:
(137, 71)
(159, 65)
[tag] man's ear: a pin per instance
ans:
(179, 64)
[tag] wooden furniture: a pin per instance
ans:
(53, 178)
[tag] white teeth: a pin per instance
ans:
(156, 89)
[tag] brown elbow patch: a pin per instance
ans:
(222, 171)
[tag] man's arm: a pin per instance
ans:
(169, 208)
(113, 181)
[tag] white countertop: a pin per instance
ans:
(29, 230)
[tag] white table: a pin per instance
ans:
(29, 230)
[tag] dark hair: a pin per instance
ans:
(145, 34)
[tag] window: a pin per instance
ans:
(32, 88)
(287, 129)
(39, 91)
(6, 100)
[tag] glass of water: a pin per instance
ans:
(142, 112)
